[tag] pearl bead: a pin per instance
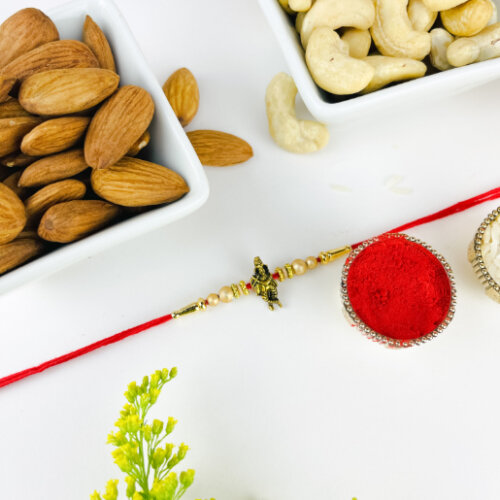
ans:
(213, 299)
(311, 262)
(226, 294)
(299, 266)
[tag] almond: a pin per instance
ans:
(66, 91)
(54, 136)
(12, 215)
(12, 131)
(140, 144)
(6, 84)
(72, 220)
(24, 31)
(12, 182)
(51, 195)
(18, 252)
(117, 125)
(137, 183)
(98, 43)
(183, 95)
(11, 108)
(53, 168)
(218, 149)
(17, 160)
(53, 55)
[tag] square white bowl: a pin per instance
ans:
(422, 90)
(169, 144)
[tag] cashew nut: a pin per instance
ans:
(336, 14)
(437, 5)
(421, 17)
(392, 69)
(393, 33)
(494, 16)
(467, 19)
(299, 20)
(331, 66)
(296, 136)
(359, 42)
(284, 5)
(441, 40)
(485, 45)
(299, 5)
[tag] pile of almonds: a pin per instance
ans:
(62, 111)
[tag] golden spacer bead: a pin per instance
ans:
(299, 267)
(213, 299)
(236, 291)
(226, 294)
(311, 262)
(244, 288)
(289, 271)
(281, 273)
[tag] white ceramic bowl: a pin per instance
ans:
(169, 144)
(422, 90)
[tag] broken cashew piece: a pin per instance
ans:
(331, 66)
(299, 5)
(393, 33)
(485, 45)
(467, 19)
(296, 136)
(441, 40)
(421, 17)
(336, 14)
(438, 5)
(392, 69)
(359, 42)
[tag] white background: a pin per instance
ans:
(288, 405)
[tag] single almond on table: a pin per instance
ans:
(218, 149)
(11, 108)
(18, 252)
(12, 215)
(12, 131)
(53, 168)
(24, 31)
(67, 91)
(98, 43)
(17, 160)
(50, 195)
(12, 181)
(140, 144)
(181, 90)
(132, 182)
(72, 220)
(117, 125)
(54, 136)
(54, 55)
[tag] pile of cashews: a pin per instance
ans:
(337, 36)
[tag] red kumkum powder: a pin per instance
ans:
(399, 288)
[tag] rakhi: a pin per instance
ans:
(413, 302)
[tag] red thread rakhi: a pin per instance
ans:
(265, 285)
(398, 291)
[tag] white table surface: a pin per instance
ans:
(288, 405)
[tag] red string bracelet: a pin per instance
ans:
(261, 283)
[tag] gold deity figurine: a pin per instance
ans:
(264, 285)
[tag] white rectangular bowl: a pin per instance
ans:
(422, 90)
(169, 144)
